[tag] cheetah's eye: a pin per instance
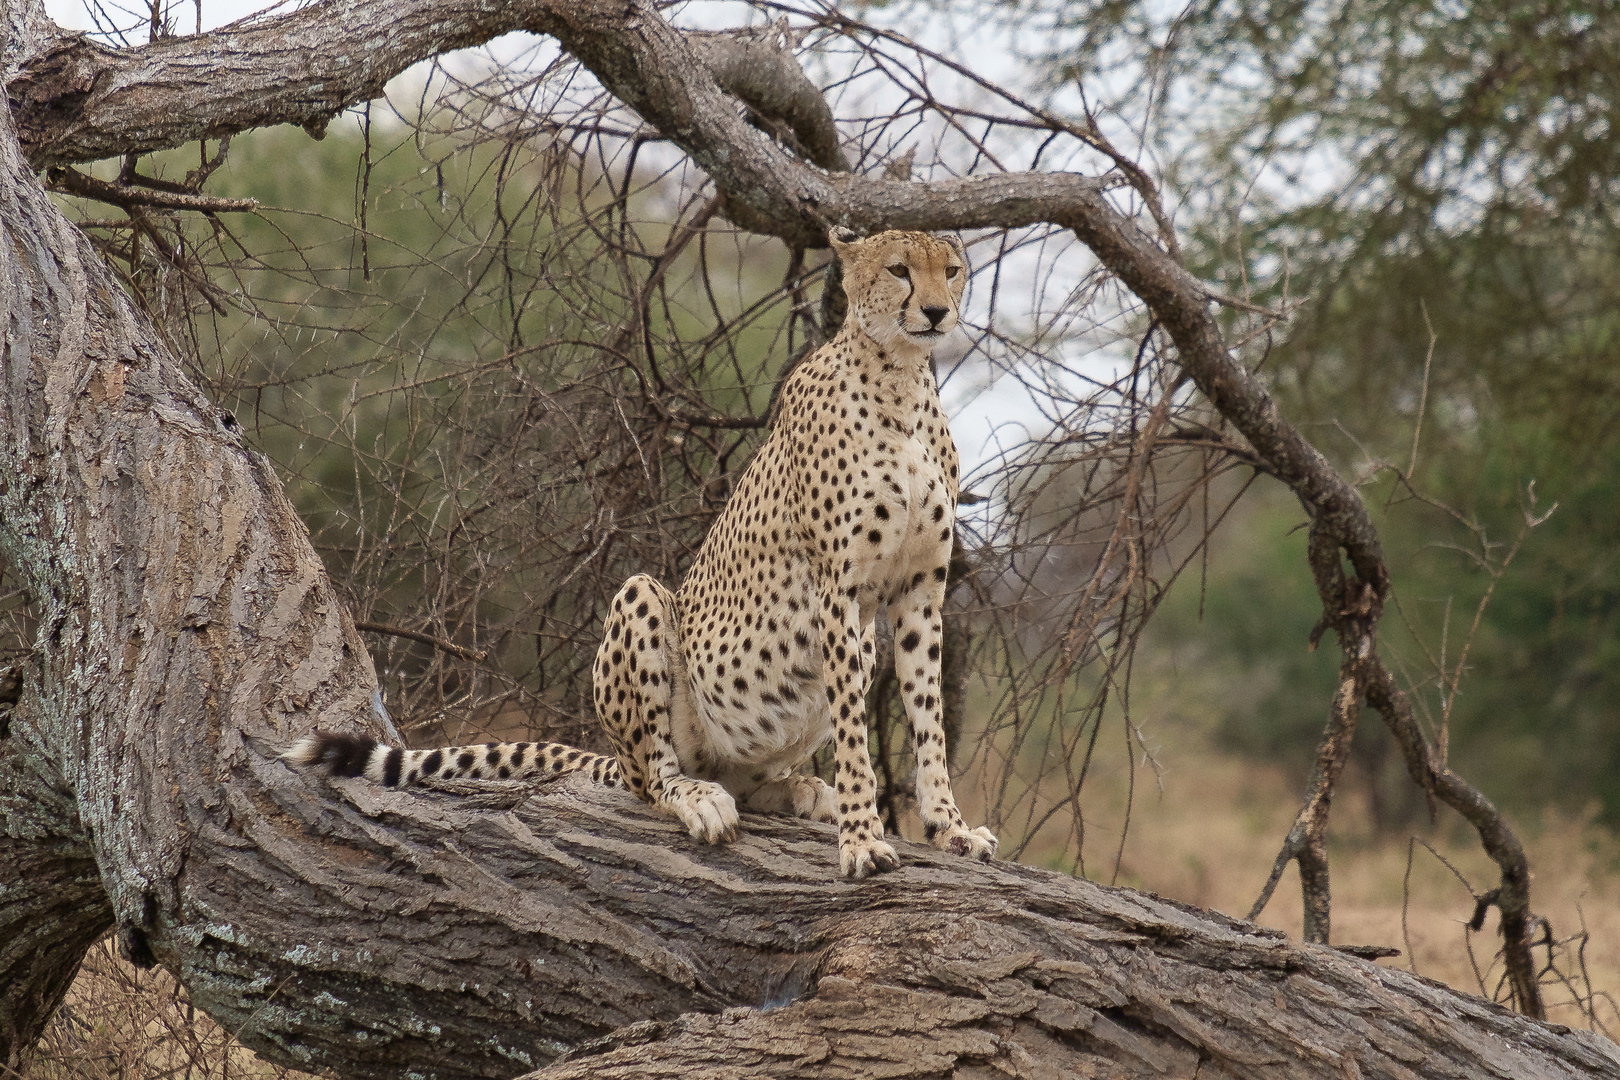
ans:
(950, 271)
(899, 270)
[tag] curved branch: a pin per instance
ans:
(76, 100)
(760, 72)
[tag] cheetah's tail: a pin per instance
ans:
(392, 766)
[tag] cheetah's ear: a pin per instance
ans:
(842, 239)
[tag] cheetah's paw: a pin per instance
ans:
(815, 799)
(977, 843)
(863, 858)
(706, 809)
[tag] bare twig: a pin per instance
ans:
(73, 182)
(1423, 398)
(475, 655)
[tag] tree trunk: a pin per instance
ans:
(188, 633)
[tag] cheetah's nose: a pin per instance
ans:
(935, 314)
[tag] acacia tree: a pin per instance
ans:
(187, 630)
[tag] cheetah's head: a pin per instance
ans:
(902, 285)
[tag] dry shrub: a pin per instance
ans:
(122, 1023)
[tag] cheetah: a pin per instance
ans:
(716, 694)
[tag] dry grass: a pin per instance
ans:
(121, 1023)
(1205, 827)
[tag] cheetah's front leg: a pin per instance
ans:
(635, 684)
(844, 670)
(918, 636)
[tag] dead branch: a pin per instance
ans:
(475, 655)
(73, 182)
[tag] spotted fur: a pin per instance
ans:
(719, 692)
(360, 755)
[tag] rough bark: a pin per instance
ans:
(52, 904)
(188, 632)
(180, 608)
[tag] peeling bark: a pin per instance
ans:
(188, 632)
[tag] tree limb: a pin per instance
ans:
(77, 100)
(755, 69)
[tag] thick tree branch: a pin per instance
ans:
(756, 69)
(180, 606)
(76, 100)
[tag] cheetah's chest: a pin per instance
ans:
(911, 509)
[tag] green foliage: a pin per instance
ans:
(1250, 620)
(1442, 182)
(1532, 719)
(1535, 712)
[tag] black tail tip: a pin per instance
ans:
(340, 755)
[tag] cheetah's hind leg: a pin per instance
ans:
(635, 689)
